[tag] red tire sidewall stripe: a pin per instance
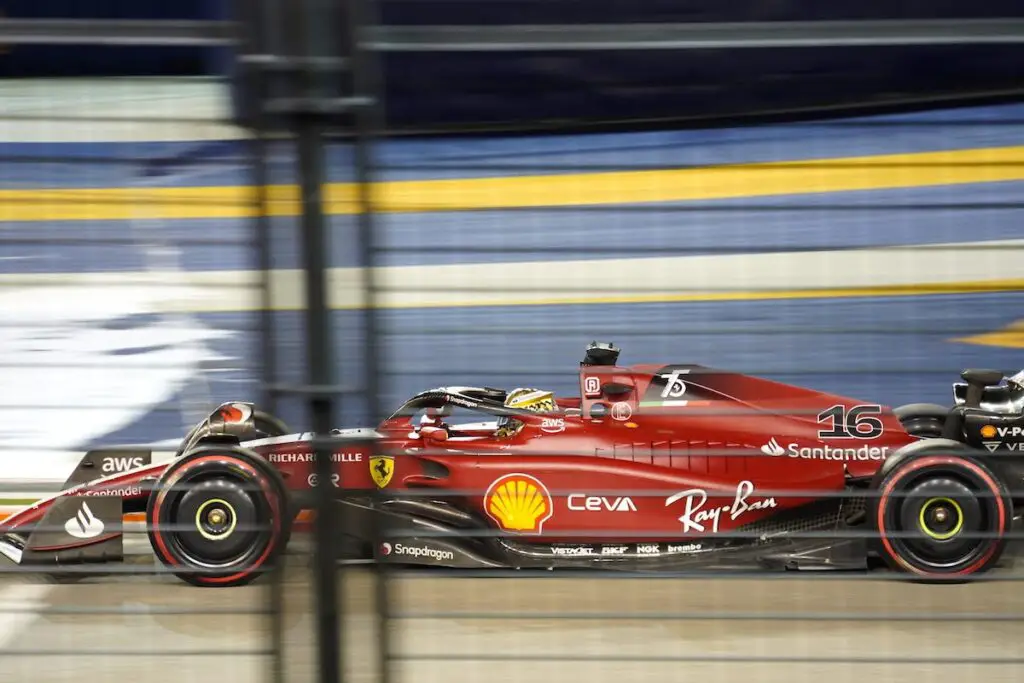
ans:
(943, 460)
(168, 557)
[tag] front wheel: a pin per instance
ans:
(264, 425)
(941, 517)
(218, 516)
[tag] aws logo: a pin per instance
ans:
(114, 464)
(519, 503)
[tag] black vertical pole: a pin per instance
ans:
(367, 90)
(268, 370)
(311, 175)
(251, 93)
(314, 42)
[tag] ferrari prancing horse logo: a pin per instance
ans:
(382, 468)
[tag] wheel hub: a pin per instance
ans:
(216, 519)
(941, 518)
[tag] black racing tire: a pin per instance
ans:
(219, 516)
(265, 425)
(922, 420)
(924, 426)
(941, 516)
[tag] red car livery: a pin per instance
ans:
(646, 468)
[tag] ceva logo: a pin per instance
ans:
(773, 448)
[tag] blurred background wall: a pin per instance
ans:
(551, 88)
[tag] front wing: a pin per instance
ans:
(85, 521)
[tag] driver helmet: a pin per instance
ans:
(534, 400)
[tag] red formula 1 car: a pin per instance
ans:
(661, 467)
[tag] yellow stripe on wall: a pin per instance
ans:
(718, 182)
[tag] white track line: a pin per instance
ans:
(541, 282)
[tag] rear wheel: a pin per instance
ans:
(218, 516)
(924, 427)
(941, 516)
(923, 420)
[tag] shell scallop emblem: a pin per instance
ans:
(988, 431)
(518, 503)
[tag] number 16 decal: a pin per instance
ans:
(859, 422)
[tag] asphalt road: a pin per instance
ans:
(520, 629)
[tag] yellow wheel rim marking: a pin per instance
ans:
(952, 532)
(199, 520)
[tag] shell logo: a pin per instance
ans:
(988, 431)
(519, 503)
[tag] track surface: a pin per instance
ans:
(522, 629)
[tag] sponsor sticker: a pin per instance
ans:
(614, 549)
(826, 452)
(675, 387)
(416, 552)
(309, 456)
(993, 446)
(674, 391)
(314, 479)
(129, 491)
(994, 438)
(697, 517)
(460, 401)
(573, 550)
(591, 386)
(584, 503)
(84, 524)
(552, 425)
(113, 464)
(622, 411)
(382, 469)
(518, 503)
(648, 549)
(685, 548)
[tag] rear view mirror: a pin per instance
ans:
(615, 389)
